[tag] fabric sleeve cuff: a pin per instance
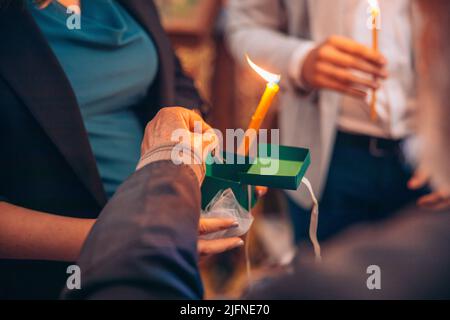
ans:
(296, 65)
(164, 153)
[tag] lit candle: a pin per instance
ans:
(374, 14)
(272, 89)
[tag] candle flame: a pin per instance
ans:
(374, 7)
(266, 75)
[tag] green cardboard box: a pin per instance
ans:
(289, 167)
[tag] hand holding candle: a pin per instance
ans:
(332, 66)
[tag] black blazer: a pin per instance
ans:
(46, 162)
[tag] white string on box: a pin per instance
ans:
(314, 223)
(313, 226)
(248, 263)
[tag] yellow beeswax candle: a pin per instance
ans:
(265, 103)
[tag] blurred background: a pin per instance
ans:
(196, 28)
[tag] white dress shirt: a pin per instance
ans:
(396, 97)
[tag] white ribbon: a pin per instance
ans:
(313, 225)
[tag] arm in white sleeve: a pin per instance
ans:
(257, 27)
(296, 65)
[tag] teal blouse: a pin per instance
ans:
(110, 62)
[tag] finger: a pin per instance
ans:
(356, 49)
(261, 191)
(196, 122)
(440, 206)
(191, 119)
(210, 247)
(330, 83)
(419, 180)
(342, 59)
(205, 143)
(346, 77)
(211, 225)
(431, 200)
(210, 140)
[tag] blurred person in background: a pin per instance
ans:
(323, 51)
(74, 105)
(411, 251)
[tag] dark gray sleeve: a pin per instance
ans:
(411, 251)
(144, 244)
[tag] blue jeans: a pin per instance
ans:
(360, 187)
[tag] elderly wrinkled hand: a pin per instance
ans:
(180, 135)
(179, 127)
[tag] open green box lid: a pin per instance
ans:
(278, 167)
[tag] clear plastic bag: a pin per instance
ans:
(225, 205)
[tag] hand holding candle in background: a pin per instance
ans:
(332, 64)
